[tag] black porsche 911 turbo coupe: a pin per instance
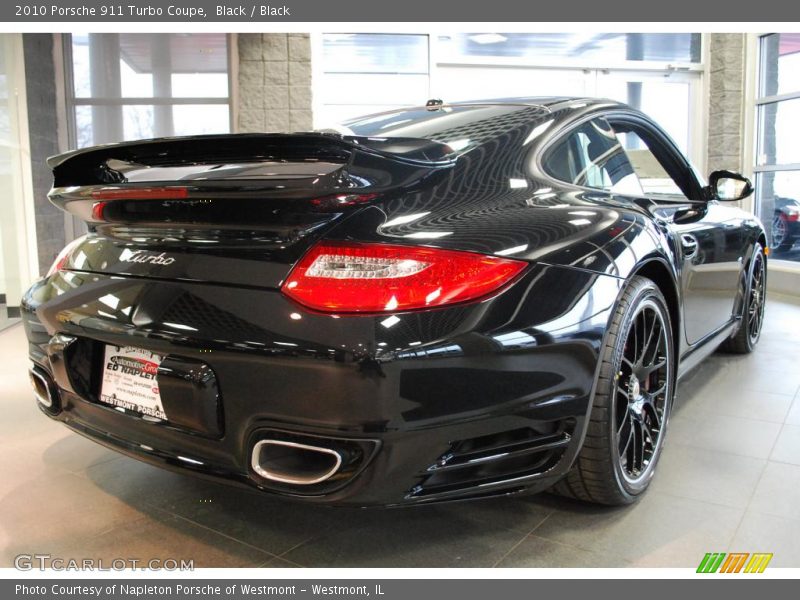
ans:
(438, 303)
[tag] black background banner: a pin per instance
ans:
(438, 11)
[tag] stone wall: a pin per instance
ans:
(274, 82)
(40, 84)
(726, 101)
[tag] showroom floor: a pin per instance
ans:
(729, 480)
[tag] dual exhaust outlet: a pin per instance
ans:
(294, 463)
(44, 389)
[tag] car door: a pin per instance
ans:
(709, 239)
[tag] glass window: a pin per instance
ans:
(655, 181)
(779, 204)
(778, 124)
(780, 64)
(591, 156)
(364, 73)
(18, 256)
(375, 53)
(595, 47)
(138, 85)
(777, 169)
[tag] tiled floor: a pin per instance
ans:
(729, 479)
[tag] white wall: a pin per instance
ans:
(17, 228)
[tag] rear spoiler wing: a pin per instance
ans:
(106, 164)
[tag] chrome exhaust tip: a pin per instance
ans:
(42, 388)
(294, 463)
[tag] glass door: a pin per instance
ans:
(454, 83)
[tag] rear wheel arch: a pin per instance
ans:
(658, 272)
(594, 474)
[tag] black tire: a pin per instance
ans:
(754, 297)
(782, 240)
(605, 472)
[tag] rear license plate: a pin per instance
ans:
(129, 380)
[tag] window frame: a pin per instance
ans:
(639, 122)
(752, 133)
(72, 101)
(674, 162)
(566, 136)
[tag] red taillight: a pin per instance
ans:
(97, 210)
(345, 277)
(141, 193)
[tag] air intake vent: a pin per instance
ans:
(493, 461)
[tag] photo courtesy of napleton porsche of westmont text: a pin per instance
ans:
(428, 299)
(135, 590)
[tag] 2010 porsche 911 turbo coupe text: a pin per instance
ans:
(446, 302)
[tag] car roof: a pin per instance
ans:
(549, 102)
(464, 124)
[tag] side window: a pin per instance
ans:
(653, 177)
(591, 156)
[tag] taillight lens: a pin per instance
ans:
(141, 193)
(344, 277)
(62, 256)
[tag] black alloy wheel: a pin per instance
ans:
(631, 404)
(754, 299)
(642, 391)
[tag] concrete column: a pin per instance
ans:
(40, 83)
(274, 82)
(106, 83)
(163, 123)
(726, 101)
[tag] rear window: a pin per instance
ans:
(591, 156)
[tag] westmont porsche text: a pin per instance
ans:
(438, 303)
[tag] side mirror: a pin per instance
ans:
(727, 186)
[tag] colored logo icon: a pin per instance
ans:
(734, 562)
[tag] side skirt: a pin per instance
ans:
(699, 351)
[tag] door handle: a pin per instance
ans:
(689, 245)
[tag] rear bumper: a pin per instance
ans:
(469, 401)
